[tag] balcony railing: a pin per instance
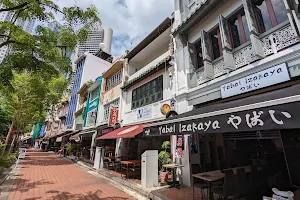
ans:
(219, 70)
(273, 41)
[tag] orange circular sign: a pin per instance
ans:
(165, 108)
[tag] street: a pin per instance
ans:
(46, 176)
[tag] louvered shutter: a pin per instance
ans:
(192, 55)
(225, 34)
(206, 48)
(257, 46)
(229, 62)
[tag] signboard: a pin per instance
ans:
(113, 115)
(285, 116)
(179, 146)
(104, 131)
(144, 113)
(165, 108)
(271, 76)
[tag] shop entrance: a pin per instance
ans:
(262, 155)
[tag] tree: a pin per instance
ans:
(42, 50)
(30, 97)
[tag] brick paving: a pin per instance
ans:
(45, 176)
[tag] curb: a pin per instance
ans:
(8, 181)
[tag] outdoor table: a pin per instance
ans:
(173, 167)
(127, 163)
(209, 177)
(217, 175)
(110, 158)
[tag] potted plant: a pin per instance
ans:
(164, 158)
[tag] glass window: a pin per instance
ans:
(279, 10)
(107, 106)
(262, 15)
(269, 13)
(114, 80)
(148, 93)
(239, 29)
(94, 94)
(216, 43)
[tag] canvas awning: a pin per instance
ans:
(124, 132)
(272, 110)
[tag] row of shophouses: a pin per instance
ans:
(220, 76)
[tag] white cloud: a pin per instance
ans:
(131, 20)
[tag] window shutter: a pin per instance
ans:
(207, 57)
(250, 16)
(257, 46)
(206, 48)
(225, 34)
(192, 57)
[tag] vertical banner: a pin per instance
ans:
(194, 143)
(179, 146)
(113, 115)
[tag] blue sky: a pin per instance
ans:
(131, 20)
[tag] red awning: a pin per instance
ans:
(124, 132)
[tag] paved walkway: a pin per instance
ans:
(46, 176)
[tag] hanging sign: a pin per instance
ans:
(165, 108)
(271, 76)
(179, 146)
(113, 115)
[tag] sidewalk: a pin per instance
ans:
(46, 176)
(155, 193)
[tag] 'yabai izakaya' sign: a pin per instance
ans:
(283, 116)
(271, 76)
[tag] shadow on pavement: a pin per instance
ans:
(90, 195)
(23, 185)
(44, 161)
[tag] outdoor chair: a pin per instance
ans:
(242, 184)
(228, 188)
(199, 183)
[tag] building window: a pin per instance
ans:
(148, 93)
(239, 29)
(198, 52)
(114, 80)
(107, 106)
(91, 117)
(269, 13)
(94, 94)
(216, 45)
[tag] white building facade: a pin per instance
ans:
(218, 43)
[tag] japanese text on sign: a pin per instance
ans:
(271, 76)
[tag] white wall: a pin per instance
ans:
(93, 67)
(211, 20)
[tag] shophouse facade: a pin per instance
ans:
(226, 53)
(136, 89)
(89, 67)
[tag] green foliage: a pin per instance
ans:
(164, 156)
(41, 53)
(29, 97)
(69, 148)
(6, 160)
